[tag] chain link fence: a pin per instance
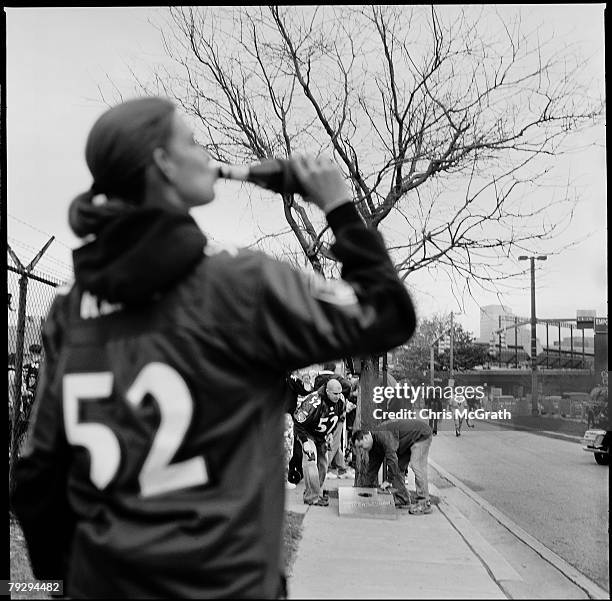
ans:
(29, 299)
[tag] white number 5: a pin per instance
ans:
(175, 403)
(100, 440)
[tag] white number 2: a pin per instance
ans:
(175, 403)
(176, 408)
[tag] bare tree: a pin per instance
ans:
(444, 127)
(445, 120)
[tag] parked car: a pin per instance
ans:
(598, 442)
(596, 439)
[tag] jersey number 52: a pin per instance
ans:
(175, 403)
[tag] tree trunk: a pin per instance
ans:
(364, 419)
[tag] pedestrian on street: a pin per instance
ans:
(154, 464)
(457, 405)
(433, 401)
(400, 443)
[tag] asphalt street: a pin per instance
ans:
(550, 487)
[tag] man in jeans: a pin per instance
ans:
(402, 443)
(315, 421)
(335, 455)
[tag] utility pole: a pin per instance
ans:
(431, 361)
(515, 343)
(534, 346)
(534, 350)
(499, 339)
(432, 364)
(452, 341)
(384, 369)
(24, 272)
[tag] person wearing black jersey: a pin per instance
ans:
(154, 464)
(316, 419)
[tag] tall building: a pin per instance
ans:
(489, 320)
(489, 323)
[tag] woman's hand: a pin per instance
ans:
(323, 181)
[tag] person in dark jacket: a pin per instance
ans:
(399, 443)
(296, 389)
(154, 464)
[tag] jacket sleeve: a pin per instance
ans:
(303, 319)
(342, 412)
(374, 460)
(391, 444)
(298, 386)
(300, 432)
(39, 496)
(304, 417)
(394, 475)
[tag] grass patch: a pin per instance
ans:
(20, 563)
(292, 533)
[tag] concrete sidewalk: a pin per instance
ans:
(457, 552)
(413, 557)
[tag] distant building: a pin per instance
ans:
(489, 323)
(489, 320)
(523, 339)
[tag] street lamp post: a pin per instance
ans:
(534, 350)
(451, 352)
(432, 362)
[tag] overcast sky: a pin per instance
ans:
(61, 61)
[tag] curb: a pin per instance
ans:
(547, 433)
(494, 563)
(592, 589)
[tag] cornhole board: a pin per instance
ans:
(365, 503)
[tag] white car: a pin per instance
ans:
(597, 442)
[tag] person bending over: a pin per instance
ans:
(401, 443)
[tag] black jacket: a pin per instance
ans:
(295, 390)
(317, 416)
(392, 442)
(155, 464)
